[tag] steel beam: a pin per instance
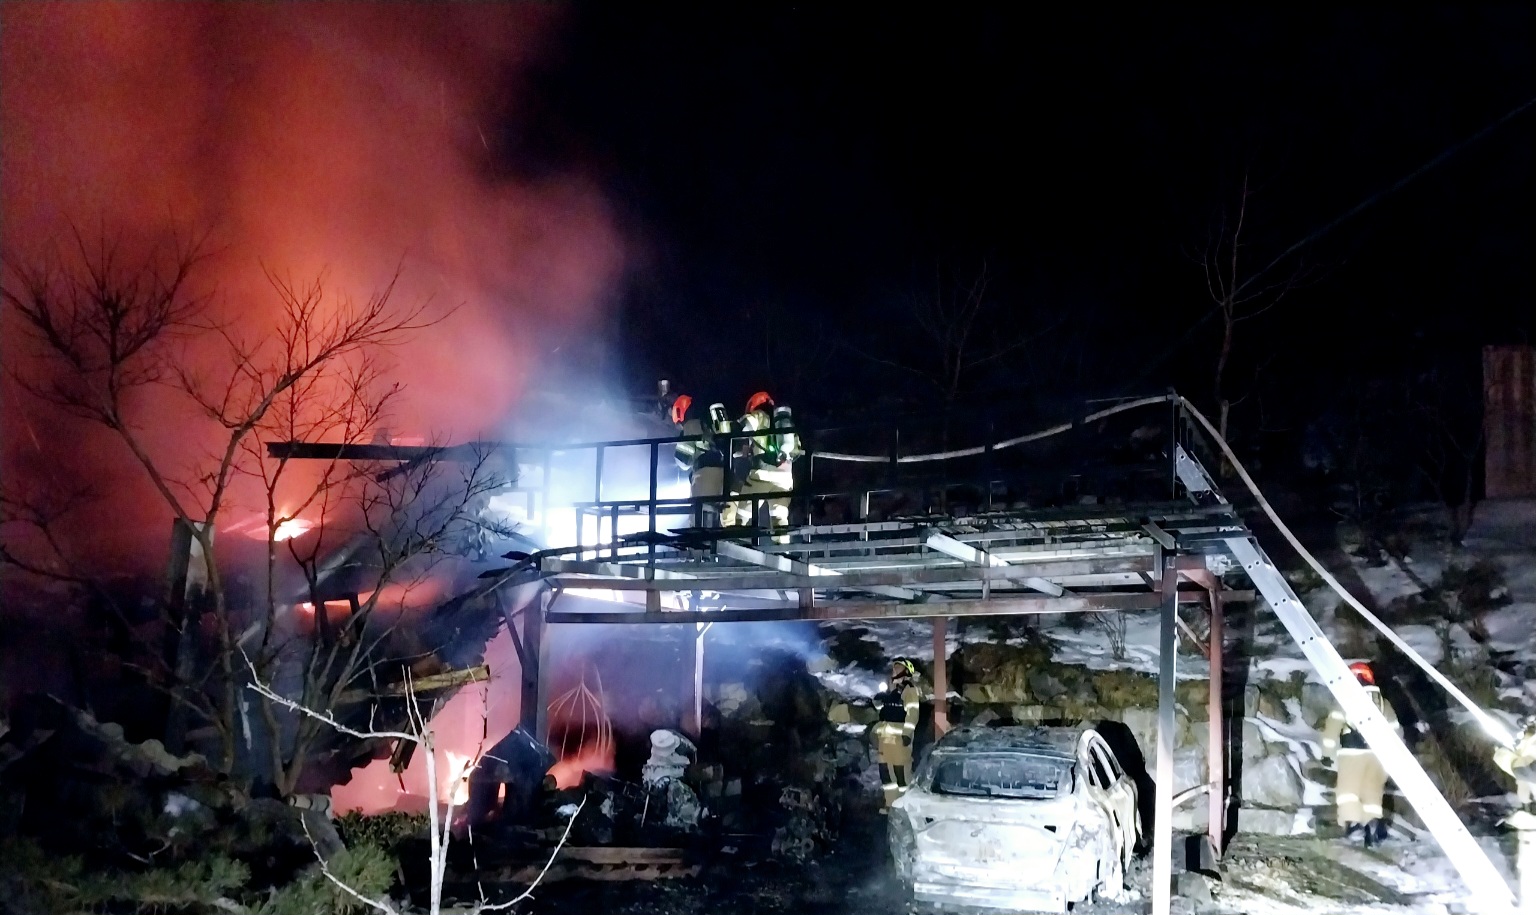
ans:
(964, 552)
(1216, 744)
(612, 570)
(533, 710)
(940, 676)
(869, 610)
(1482, 879)
(738, 579)
(785, 564)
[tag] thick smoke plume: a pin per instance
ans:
(349, 139)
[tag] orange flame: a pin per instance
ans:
(594, 758)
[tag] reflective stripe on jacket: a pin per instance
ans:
(1339, 734)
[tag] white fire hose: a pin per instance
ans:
(1491, 725)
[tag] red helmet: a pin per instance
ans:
(1363, 673)
(758, 400)
(680, 408)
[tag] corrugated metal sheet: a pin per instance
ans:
(1509, 392)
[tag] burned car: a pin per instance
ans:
(1031, 818)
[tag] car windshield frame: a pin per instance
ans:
(979, 760)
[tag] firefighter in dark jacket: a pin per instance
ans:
(1362, 781)
(897, 705)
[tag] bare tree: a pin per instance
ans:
(418, 731)
(1238, 292)
(961, 332)
(1454, 430)
(408, 521)
(113, 332)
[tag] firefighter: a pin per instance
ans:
(897, 706)
(771, 461)
(703, 460)
(1361, 779)
(1520, 762)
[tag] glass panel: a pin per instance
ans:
(1015, 775)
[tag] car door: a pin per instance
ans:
(1120, 797)
(1098, 780)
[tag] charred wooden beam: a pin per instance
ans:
(444, 680)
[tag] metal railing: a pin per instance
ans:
(912, 482)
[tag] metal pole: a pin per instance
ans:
(650, 553)
(597, 483)
(940, 677)
(1216, 758)
(535, 646)
(698, 680)
(1162, 818)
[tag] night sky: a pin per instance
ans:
(797, 174)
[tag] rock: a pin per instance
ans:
(1316, 703)
(1272, 782)
(1142, 723)
(1189, 765)
(1192, 886)
(1262, 821)
(839, 714)
(1192, 816)
(986, 717)
(1271, 706)
(1045, 687)
(1255, 747)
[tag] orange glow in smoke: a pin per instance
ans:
(291, 528)
(592, 758)
(345, 140)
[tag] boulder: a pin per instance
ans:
(1264, 821)
(1272, 782)
(1189, 767)
(1316, 703)
(1255, 747)
(1192, 816)
(1045, 687)
(1142, 723)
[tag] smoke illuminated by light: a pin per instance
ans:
(291, 528)
(353, 141)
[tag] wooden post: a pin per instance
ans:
(1216, 759)
(940, 677)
